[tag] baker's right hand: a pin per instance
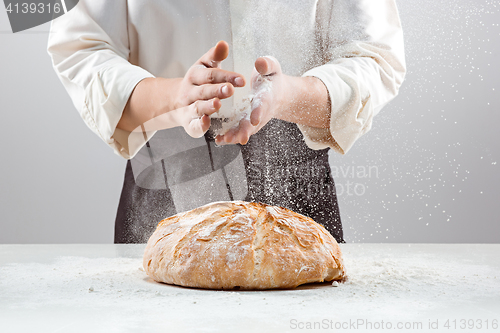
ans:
(204, 85)
(161, 103)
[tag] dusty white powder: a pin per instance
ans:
(231, 117)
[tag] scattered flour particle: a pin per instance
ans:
(231, 118)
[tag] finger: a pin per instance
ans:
(205, 75)
(219, 140)
(197, 127)
(267, 65)
(245, 131)
(209, 91)
(215, 55)
(228, 137)
(204, 123)
(202, 108)
(256, 116)
(221, 51)
(240, 134)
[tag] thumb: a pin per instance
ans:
(267, 65)
(215, 55)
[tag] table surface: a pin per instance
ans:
(103, 288)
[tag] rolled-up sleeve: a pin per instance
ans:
(89, 50)
(362, 42)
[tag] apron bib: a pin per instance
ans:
(174, 173)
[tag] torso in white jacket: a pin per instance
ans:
(102, 48)
(354, 46)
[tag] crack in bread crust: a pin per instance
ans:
(258, 242)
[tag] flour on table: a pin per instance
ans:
(387, 281)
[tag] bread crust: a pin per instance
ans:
(227, 245)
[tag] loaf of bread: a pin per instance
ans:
(228, 245)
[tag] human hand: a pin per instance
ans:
(200, 91)
(268, 92)
(161, 103)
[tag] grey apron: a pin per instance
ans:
(174, 173)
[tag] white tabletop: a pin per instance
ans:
(102, 288)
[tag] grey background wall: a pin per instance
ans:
(427, 172)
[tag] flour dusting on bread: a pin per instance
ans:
(226, 245)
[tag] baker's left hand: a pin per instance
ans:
(267, 102)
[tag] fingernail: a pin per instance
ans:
(225, 90)
(239, 82)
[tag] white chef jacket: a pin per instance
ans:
(101, 49)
